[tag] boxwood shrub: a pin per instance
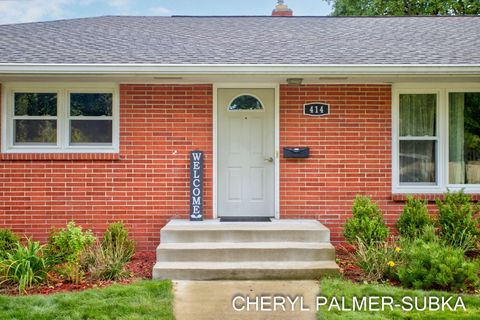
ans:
(366, 224)
(434, 265)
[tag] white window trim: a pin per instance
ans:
(63, 91)
(442, 90)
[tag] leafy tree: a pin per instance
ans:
(404, 7)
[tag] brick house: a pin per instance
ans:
(99, 115)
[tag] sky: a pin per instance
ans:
(17, 11)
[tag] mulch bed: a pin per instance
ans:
(347, 268)
(140, 268)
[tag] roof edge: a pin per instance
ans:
(246, 69)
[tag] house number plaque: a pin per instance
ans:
(316, 109)
(196, 185)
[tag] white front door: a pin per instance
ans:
(246, 166)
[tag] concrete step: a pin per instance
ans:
(184, 231)
(214, 250)
(245, 251)
(251, 270)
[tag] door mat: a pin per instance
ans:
(245, 219)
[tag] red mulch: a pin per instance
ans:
(344, 260)
(140, 268)
(142, 264)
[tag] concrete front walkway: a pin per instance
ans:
(213, 299)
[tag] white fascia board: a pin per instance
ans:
(239, 69)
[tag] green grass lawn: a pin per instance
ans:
(153, 300)
(139, 300)
(338, 288)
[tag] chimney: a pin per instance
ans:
(282, 10)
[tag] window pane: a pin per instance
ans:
(464, 138)
(91, 104)
(35, 131)
(245, 102)
(35, 104)
(90, 131)
(417, 161)
(418, 115)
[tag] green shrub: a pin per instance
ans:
(434, 265)
(66, 245)
(72, 271)
(106, 263)
(107, 260)
(414, 218)
(24, 266)
(8, 242)
(116, 239)
(457, 220)
(427, 234)
(378, 261)
(367, 223)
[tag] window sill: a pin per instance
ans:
(59, 156)
(430, 197)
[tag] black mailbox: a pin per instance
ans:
(296, 152)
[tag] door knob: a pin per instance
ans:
(269, 159)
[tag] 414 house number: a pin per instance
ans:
(316, 109)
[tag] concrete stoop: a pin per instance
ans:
(213, 250)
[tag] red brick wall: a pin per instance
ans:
(350, 152)
(144, 186)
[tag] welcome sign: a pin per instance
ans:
(196, 185)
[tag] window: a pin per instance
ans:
(436, 138)
(418, 138)
(245, 102)
(35, 118)
(90, 118)
(464, 138)
(59, 118)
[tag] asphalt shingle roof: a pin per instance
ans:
(244, 40)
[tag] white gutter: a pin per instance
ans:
(238, 69)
